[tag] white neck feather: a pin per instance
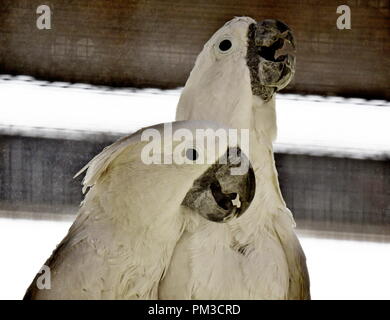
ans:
(243, 111)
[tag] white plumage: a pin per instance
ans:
(133, 239)
(121, 242)
(257, 256)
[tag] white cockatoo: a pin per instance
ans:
(257, 256)
(138, 206)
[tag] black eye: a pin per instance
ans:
(192, 154)
(225, 45)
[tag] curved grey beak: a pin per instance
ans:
(220, 195)
(271, 36)
(270, 57)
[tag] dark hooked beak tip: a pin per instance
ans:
(287, 35)
(235, 203)
(225, 190)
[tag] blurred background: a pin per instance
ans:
(106, 68)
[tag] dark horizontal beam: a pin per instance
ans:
(154, 43)
(324, 193)
(339, 194)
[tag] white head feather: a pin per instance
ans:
(219, 88)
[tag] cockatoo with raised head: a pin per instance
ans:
(258, 256)
(121, 243)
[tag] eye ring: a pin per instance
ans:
(192, 154)
(225, 45)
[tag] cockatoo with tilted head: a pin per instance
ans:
(140, 202)
(257, 256)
